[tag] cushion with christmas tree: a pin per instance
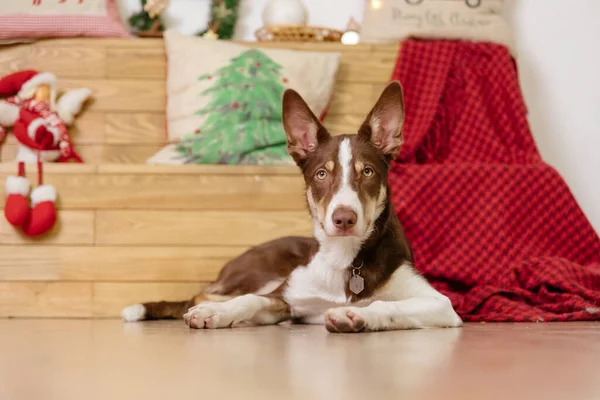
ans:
(60, 18)
(224, 99)
(475, 20)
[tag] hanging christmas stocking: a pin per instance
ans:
(43, 211)
(40, 217)
(16, 208)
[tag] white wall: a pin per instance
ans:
(559, 66)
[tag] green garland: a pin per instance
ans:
(142, 22)
(224, 14)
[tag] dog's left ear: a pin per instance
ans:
(303, 130)
(383, 126)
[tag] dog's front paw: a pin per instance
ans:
(344, 320)
(208, 316)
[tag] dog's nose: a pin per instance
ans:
(344, 218)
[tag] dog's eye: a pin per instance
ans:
(368, 172)
(321, 174)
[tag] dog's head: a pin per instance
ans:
(346, 175)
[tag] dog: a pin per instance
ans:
(357, 273)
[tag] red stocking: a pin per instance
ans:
(43, 210)
(16, 209)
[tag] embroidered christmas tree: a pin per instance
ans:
(243, 117)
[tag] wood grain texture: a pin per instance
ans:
(99, 153)
(352, 98)
(12, 58)
(94, 131)
(213, 169)
(196, 228)
(68, 62)
(338, 124)
(72, 227)
(124, 95)
(45, 299)
(114, 263)
(110, 298)
(90, 153)
(366, 67)
(52, 168)
(123, 154)
(135, 128)
(142, 63)
(175, 192)
(150, 63)
(89, 128)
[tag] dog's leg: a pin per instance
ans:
(250, 308)
(415, 313)
(419, 305)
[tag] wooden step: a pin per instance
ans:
(87, 187)
(130, 233)
(85, 299)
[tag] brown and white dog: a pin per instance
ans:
(357, 274)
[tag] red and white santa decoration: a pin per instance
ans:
(39, 123)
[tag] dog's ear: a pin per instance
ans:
(303, 130)
(383, 126)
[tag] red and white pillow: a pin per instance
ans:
(32, 19)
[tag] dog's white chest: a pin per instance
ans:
(314, 289)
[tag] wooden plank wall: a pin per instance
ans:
(130, 232)
(125, 122)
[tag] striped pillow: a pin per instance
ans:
(60, 18)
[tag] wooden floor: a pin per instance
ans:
(106, 359)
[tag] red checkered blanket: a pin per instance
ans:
(492, 226)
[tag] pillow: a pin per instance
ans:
(60, 18)
(224, 99)
(476, 20)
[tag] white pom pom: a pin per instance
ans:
(43, 193)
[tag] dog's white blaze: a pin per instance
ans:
(345, 160)
(345, 196)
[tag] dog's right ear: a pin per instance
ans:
(303, 130)
(383, 126)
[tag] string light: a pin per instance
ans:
(376, 4)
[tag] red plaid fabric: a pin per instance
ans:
(493, 227)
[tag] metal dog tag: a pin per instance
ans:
(356, 284)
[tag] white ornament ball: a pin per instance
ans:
(284, 12)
